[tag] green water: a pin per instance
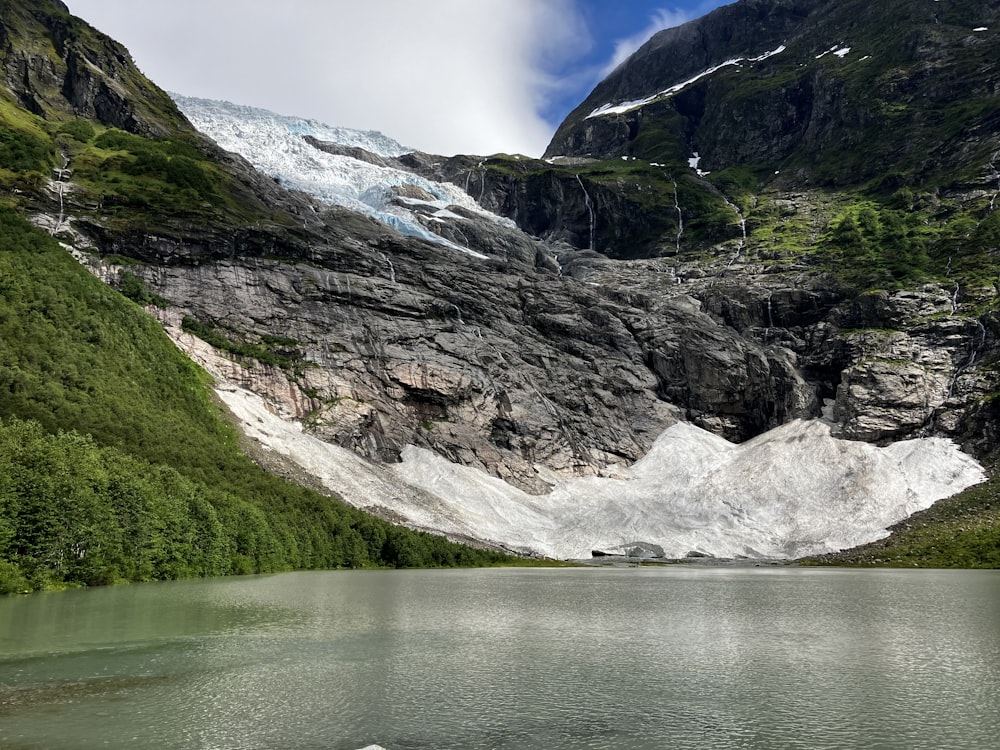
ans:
(665, 658)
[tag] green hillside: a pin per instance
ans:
(115, 465)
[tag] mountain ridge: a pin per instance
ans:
(637, 292)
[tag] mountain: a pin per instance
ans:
(115, 462)
(560, 355)
(836, 94)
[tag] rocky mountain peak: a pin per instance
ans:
(842, 103)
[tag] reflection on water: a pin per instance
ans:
(519, 659)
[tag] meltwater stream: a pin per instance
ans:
(671, 657)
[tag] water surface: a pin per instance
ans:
(677, 657)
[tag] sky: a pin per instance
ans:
(442, 76)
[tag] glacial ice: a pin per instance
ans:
(276, 145)
(796, 490)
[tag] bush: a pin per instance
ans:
(24, 152)
(80, 130)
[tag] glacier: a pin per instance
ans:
(276, 145)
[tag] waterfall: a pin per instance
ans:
(743, 228)
(975, 348)
(770, 317)
(680, 215)
(481, 171)
(590, 208)
(60, 185)
(392, 268)
(996, 175)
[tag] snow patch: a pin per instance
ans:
(694, 161)
(776, 51)
(623, 107)
(837, 49)
(793, 491)
(981, 28)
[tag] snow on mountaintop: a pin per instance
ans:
(276, 145)
(794, 491)
(623, 107)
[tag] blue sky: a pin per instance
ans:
(445, 76)
(617, 29)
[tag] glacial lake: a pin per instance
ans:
(625, 658)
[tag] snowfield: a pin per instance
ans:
(794, 491)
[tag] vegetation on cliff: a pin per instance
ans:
(115, 464)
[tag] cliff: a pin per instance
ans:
(777, 212)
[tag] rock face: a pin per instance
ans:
(91, 73)
(636, 289)
(921, 379)
(510, 379)
(530, 375)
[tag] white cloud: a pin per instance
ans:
(446, 76)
